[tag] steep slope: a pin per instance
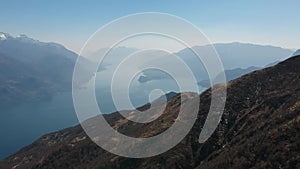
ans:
(263, 121)
(35, 86)
(19, 82)
(35, 68)
(259, 129)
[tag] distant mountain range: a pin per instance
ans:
(36, 79)
(244, 55)
(259, 129)
(31, 69)
(234, 56)
(230, 75)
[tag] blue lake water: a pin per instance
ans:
(24, 123)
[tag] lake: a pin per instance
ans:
(24, 123)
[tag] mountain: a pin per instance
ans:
(235, 73)
(233, 56)
(33, 70)
(230, 75)
(259, 129)
(243, 55)
(19, 82)
(35, 86)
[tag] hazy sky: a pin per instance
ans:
(273, 22)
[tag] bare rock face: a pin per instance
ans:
(259, 129)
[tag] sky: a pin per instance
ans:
(71, 23)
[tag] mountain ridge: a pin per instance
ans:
(258, 130)
(49, 66)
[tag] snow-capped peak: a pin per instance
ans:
(5, 36)
(25, 38)
(2, 37)
(22, 38)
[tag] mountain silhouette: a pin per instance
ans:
(259, 129)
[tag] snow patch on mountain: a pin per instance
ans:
(26, 39)
(2, 37)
